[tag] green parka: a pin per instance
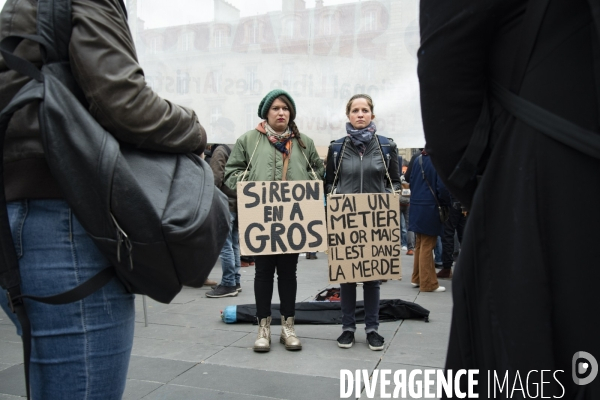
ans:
(267, 162)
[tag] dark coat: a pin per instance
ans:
(410, 166)
(526, 284)
(218, 160)
(423, 214)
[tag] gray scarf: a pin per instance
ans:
(361, 137)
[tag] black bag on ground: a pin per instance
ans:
(156, 216)
(322, 312)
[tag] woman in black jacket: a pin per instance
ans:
(359, 165)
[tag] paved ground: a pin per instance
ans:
(187, 352)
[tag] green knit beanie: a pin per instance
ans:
(267, 101)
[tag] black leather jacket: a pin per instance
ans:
(362, 174)
(104, 63)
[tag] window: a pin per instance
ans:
(219, 38)
(328, 25)
(154, 45)
(289, 29)
(254, 33)
(186, 41)
(370, 21)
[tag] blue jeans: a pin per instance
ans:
(80, 350)
(437, 252)
(348, 300)
(407, 237)
(230, 254)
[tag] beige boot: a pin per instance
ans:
(288, 335)
(263, 341)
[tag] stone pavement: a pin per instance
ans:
(187, 352)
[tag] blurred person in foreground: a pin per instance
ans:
(80, 350)
(521, 297)
(275, 151)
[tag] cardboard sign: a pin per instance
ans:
(278, 217)
(363, 236)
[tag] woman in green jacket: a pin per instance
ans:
(274, 151)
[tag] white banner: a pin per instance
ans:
(221, 57)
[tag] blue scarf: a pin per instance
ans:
(361, 137)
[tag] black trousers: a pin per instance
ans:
(265, 267)
(456, 223)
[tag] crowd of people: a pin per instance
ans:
(514, 247)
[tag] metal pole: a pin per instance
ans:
(145, 310)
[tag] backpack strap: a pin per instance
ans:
(386, 149)
(338, 147)
(550, 124)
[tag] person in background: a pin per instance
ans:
(361, 168)
(427, 190)
(274, 150)
(230, 253)
(408, 237)
(407, 173)
(80, 350)
(206, 156)
(454, 226)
